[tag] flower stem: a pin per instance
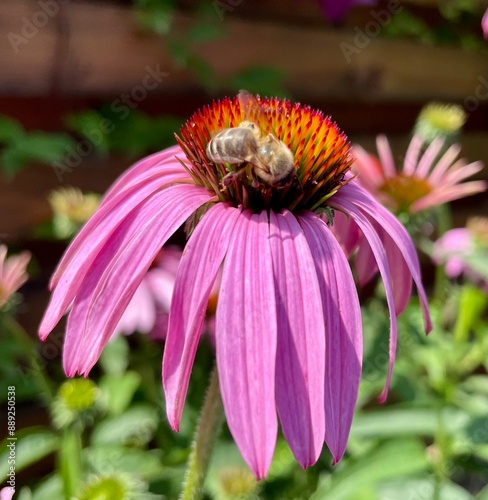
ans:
(208, 428)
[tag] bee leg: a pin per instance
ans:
(255, 180)
(226, 181)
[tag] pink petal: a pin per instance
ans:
(353, 199)
(365, 263)
(145, 168)
(412, 155)
(442, 166)
(428, 158)
(85, 248)
(436, 198)
(344, 343)
(195, 277)
(386, 156)
(246, 335)
(113, 278)
(369, 169)
(300, 357)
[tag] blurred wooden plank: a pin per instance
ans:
(101, 51)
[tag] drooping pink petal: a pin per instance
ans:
(343, 332)
(146, 168)
(113, 278)
(300, 357)
(246, 336)
(382, 261)
(346, 232)
(364, 263)
(200, 263)
(85, 248)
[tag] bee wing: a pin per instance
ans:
(248, 104)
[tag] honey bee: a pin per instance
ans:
(270, 159)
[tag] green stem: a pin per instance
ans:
(208, 428)
(28, 344)
(70, 463)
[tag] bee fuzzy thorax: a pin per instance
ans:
(265, 153)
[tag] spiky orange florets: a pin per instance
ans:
(321, 152)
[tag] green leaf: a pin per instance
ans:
(406, 421)
(145, 464)
(387, 461)
(473, 302)
(120, 390)
(115, 356)
(424, 487)
(10, 129)
(260, 80)
(32, 445)
(91, 125)
(136, 426)
(205, 31)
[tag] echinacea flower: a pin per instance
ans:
(424, 181)
(12, 273)
(288, 328)
(464, 251)
(152, 298)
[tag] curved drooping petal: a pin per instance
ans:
(357, 203)
(300, 357)
(346, 232)
(113, 278)
(146, 168)
(343, 332)
(200, 263)
(246, 337)
(85, 248)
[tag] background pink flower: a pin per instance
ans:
(13, 273)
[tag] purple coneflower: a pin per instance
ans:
(288, 324)
(425, 180)
(12, 273)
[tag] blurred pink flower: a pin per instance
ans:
(288, 328)
(13, 273)
(424, 181)
(484, 24)
(461, 248)
(148, 309)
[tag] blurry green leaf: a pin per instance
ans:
(137, 426)
(260, 80)
(202, 69)
(32, 445)
(90, 125)
(12, 160)
(205, 31)
(115, 356)
(388, 461)
(10, 129)
(406, 24)
(409, 421)
(50, 489)
(44, 147)
(145, 464)
(422, 488)
(155, 16)
(179, 51)
(120, 390)
(473, 302)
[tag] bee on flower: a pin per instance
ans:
(288, 334)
